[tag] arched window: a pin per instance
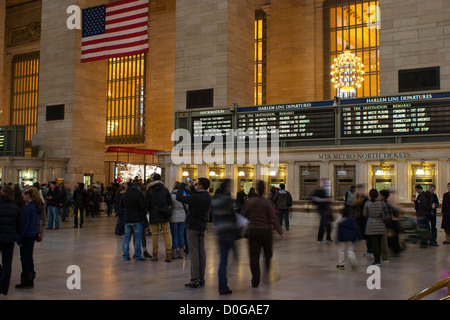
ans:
(353, 23)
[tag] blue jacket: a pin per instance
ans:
(31, 217)
(348, 230)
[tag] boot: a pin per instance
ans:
(155, 256)
(168, 257)
(181, 253)
(26, 279)
(174, 254)
(147, 255)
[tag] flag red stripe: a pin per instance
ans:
(137, 25)
(136, 16)
(111, 13)
(125, 36)
(116, 47)
(119, 3)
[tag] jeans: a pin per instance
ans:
(26, 254)
(285, 213)
(75, 215)
(53, 214)
(136, 228)
(197, 253)
(177, 231)
(225, 245)
(7, 250)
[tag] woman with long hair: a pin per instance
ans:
(26, 239)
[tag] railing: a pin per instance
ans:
(441, 284)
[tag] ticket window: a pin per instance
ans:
(277, 176)
(245, 178)
(309, 181)
(88, 179)
(424, 174)
(216, 176)
(28, 177)
(345, 177)
(383, 177)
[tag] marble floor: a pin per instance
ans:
(302, 270)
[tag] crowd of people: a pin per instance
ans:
(180, 217)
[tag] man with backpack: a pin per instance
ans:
(283, 201)
(79, 202)
(158, 202)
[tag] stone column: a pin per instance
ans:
(3, 118)
(81, 88)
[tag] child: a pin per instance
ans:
(348, 233)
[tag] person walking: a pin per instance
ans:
(79, 203)
(55, 199)
(31, 218)
(158, 202)
(423, 218)
(445, 224)
(375, 228)
(199, 206)
(10, 228)
(433, 216)
(134, 205)
(109, 200)
(262, 220)
(347, 234)
(283, 203)
(322, 200)
(228, 231)
(177, 224)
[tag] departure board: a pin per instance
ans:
(205, 121)
(393, 119)
(291, 124)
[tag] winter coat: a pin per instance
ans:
(10, 221)
(158, 200)
(282, 200)
(31, 217)
(348, 230)
(178, 211)
(58, 197)
(446, 211)
(199, 205)
(133, 203)
(374, 211)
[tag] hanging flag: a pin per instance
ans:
(114, 30)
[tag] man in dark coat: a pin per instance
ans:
(10, 227)
(446, 215)
(55, 199)
(158, 202)
(134, 205)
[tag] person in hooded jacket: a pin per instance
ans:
(158, 202)
(10, 227)
(283, 201)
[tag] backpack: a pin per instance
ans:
(163, 207)
(78, 201)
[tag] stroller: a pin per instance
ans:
(410, 231)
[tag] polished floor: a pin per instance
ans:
(302, 270)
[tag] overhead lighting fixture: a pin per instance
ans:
(185, 173)
(241, 173)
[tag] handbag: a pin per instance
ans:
(39, 232)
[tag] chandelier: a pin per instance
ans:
(347, 72)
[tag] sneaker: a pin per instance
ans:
(141, 259)
(368, 254)
(321, 242)
(192, 285)
(376, 264)
(340, 267)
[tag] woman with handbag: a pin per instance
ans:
(29, 234)
(375, 228)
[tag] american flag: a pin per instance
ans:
(114, 30)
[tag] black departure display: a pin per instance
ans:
(394, 119)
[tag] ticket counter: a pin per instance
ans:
(245, 178)
(345, 177)
(383, 177)
(423, 174)
(309, 181)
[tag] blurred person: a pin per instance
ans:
(433, 216)
(158, 202)
(67, 203)
(283, 203)
(361, 221)
(241, 197)
(177, 224)
(228, 231)
(423, 218)
(262, 220)
(419, 190)
(347, 234)
(10, 228)
(350, 197)
(31, 225)
(120, 226)
(323, 203)
(134, 205)
(96, 199)
(109, 200)
(446, 215)
(252, 193)
(79, 204)
(18, 199)
(392, 239)
(55, 200)
(375, 227)
(199, 203)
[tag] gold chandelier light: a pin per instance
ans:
(347, 72)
